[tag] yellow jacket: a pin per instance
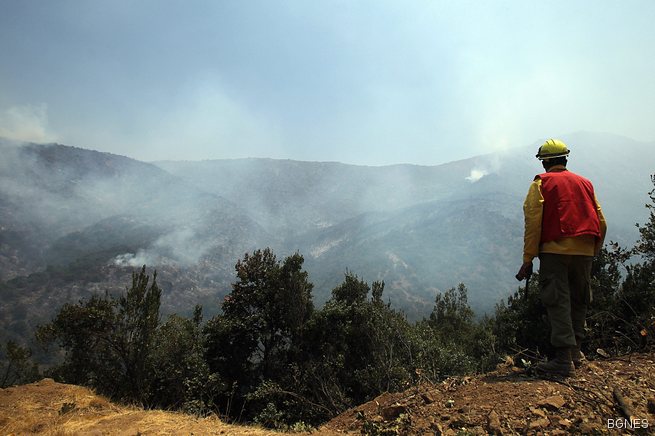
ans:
(533, 208)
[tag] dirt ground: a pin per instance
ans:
(508, 401)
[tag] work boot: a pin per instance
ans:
(577, 357)
(560, 365)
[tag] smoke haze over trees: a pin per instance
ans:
(420, 229)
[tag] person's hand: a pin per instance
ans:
(524, 272)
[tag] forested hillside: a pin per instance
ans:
(76, 222)
(421, 229)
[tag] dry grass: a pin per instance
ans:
(49, 408)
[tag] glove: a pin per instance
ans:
(524, 272)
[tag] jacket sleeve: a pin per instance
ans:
(533, 209)
(603, 228)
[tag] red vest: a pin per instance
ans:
(569, 206)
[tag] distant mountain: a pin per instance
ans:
(294, 196)
(74, 222)
(420, 228)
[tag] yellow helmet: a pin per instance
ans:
(552, 148)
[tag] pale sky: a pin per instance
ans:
(361, 82)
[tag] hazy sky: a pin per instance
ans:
(366, 82)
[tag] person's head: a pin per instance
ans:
(553, 152)
(549, 163)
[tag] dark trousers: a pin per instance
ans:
(565, 290)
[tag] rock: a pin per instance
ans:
(493, 423)
(651, 405)
(538, 412)
(564, 423)
(427, 398)
(539, 423)
(553, 402)
(390, 413)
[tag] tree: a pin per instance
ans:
(181, 377)
(452, 341)
(603, 318)
(263, 317)
(640, 283)
(452, 316)
(16, 366)
(107, 341)
(353, 349)
(635, 299)
(84, 331)
(271, 300)
(137, 323)
(351, 291)
(646, 244)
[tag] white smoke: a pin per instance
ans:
(486, 165)
(138, 259)
(180, 247)
(476, 174)
(26, 123)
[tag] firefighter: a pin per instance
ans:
(565, 228)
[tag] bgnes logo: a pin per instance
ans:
(622, 423)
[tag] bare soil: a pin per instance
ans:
(509, 401)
